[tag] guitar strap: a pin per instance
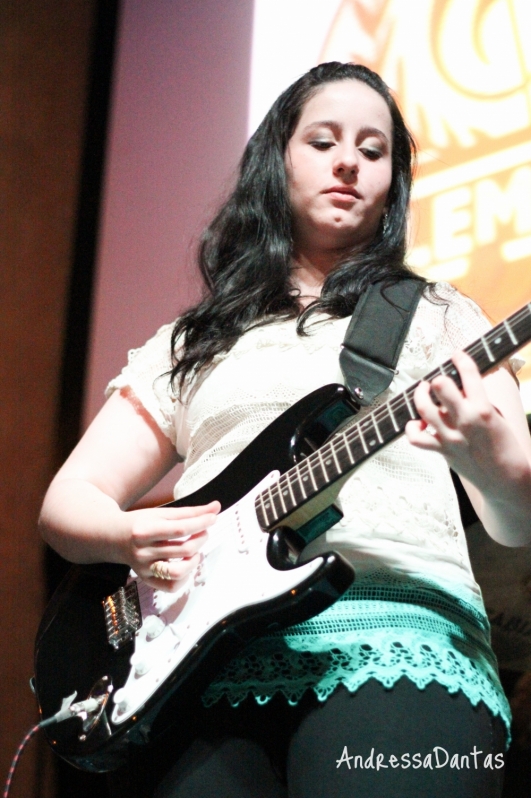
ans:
(375, 337)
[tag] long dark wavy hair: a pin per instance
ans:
(245, 253)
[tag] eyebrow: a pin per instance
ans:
(367, 130)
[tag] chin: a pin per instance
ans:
(349, 235)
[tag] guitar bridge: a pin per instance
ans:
(123, 616)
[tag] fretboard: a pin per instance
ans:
(348, 449)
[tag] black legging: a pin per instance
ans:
(278, 751)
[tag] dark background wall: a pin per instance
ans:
(180, 86)
(44, 67)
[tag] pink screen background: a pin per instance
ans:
(178, 127)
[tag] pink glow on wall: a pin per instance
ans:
(178, 127)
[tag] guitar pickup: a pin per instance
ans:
(123, 616)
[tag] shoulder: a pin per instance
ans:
(456, 318)
(147, 375)
(150, 360)
(158, 347)
(445, 320)
(445, 300)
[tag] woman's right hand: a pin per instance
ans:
(85, 515)
(172, 537)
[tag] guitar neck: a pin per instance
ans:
(348, 449)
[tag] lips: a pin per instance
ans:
(346, 191)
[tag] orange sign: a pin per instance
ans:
(461, 71)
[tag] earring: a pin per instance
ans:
(385, 221)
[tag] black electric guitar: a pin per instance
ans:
(137, 652)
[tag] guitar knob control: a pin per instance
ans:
(140, 663)
(154, 626)
(121, 700)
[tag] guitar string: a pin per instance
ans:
(381, 413)
(397, 403)
(342, 442)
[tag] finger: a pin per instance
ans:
(471, 379)
(171, 550)
(417, 435)
(437, 426)
(462, 409)
(448, 401)
(172, 570)
(176, 571)
(426, 408)
(178, 513)
(149, 530)
(185, 527)
(440, 403)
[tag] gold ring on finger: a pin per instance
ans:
(161, 570)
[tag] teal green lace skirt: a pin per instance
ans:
(383, 628)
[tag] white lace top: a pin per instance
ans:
(401, 516)
(399, 508)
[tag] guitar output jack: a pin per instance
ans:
(101, 692)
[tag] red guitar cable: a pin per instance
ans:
(67, 711)
(17, 756)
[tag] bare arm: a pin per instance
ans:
(482, 432)
(121, 456)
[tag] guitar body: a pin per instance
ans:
(244, 588)
(129, 649)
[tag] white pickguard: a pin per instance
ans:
(234, 573)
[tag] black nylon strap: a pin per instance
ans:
(375, 337)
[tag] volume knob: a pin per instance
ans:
(153, 626)
(121, 700)
(140, 663)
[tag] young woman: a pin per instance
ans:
(394, 690)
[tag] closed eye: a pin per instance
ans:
(322, 144)
(370, 153)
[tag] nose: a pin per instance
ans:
(346, 165)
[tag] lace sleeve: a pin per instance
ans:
(147, 375)
(461, 320)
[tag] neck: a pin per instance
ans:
(310, 271)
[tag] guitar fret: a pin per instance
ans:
(347, 447)
(392, 417)
(301, 484)
(377, 428)
(449, 370)
(323, 468)
(336, 461)
(372, 441)
(281, 493)
(520, 323)
(295, 493)
(362, 439)
(310, 471)
(401, 413)
(487, 350)
(272, 503)
(386, 424)
(293, 500)
(264, 511)
(510, 333)
(408, 403)
(355, 445)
